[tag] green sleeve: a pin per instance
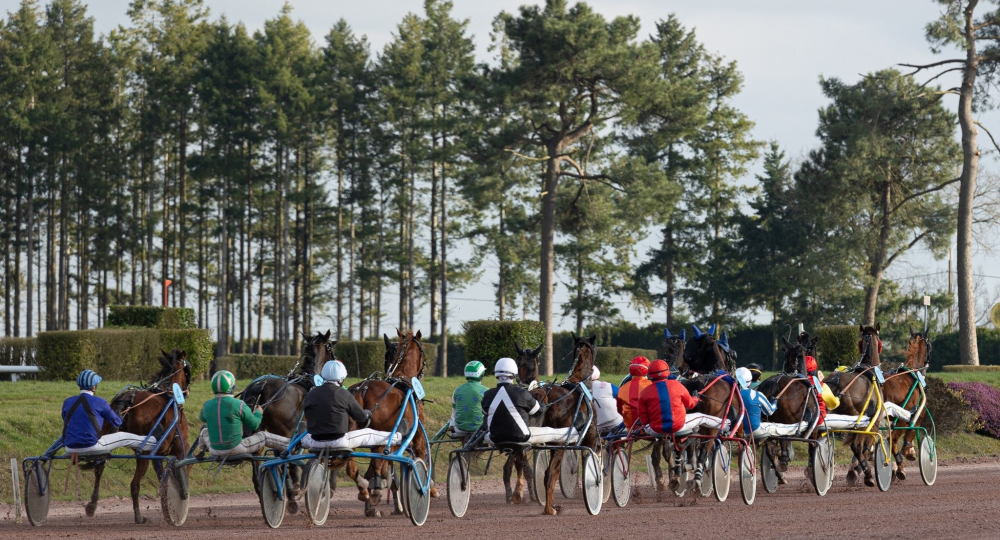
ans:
(251, 419)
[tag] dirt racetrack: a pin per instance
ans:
(964, 503)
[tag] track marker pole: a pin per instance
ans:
(17, 489)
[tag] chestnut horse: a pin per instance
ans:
(560, 405)
(385, 399)
(140, 408)
(903, 388)
(854, 387)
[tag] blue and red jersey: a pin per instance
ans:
(663, 405)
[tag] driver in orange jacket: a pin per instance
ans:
(628, 394)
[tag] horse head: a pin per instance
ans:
(674, 349)
(809, 344)
(795, 356)
(174, 368)
(703, 354)
(527, 364)
(870, 345)
(584, 356)
(918, 351)
(317, 350)
(390, 353)
(408, 360)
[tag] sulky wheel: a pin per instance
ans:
(605, 464)
(928, 460)
(593, 482)
(272, 500)
(540, 465)
(317, 491)
(174, 499)
(418, 501)
(459, 486)
(768, 474)
(721, 458)
(821, 462)
(883, 466)
(621, 483)
(748, 476)
(569, 472)
(36, 493)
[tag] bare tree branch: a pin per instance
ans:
(938, 187)
(990, 135)
(919, 237)
(522, 156)
(940, 74)
(919, 67)
(602, 178)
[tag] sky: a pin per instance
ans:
(781, 47)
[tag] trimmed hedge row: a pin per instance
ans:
(961, 368)
(251, 366)
(361, 358)
(944, 350)
(490, 340)
(150, 317)
(838, 346)
(616, 359)
(118, 354)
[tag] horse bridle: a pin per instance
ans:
(593, 353)
(402, 353)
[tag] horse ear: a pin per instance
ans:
(666, 333)
(538, 350)
(592, 339)
(815, 341)
(386, 338)
(518, 348)
(785, 343)
(327, 335)
(878, 328)
(697, 331)
(711, 330)
(573, 335)
(399, 334)
(862, 327)
(417, 335)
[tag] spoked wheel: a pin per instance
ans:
(928, 460)
(37, 493)
(569, 471)
(318, 491)
(272, 501)
(174, 498)
(397, 491)
(621, 480)
(606, 470)
(417, 501)
(748, 476)
(459, 486)
(593, 482)
(721, 458)
(821, 461)
(540, 465)
(883, 467)
(768, 473)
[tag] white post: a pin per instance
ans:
(17, 489)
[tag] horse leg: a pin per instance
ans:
(292, 489)
(508, 467)
(141, 466)
(658, 452)
(519, 461)
(860, 448)
(420, 449)
(374, 491)
(92, 505)
(529, 475)
(551, 477)
(352, 470)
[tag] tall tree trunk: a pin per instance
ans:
(222, 344)
(579, 293)
(50, 258)
(443, 350)
(30, 281)
(433, 270)
(968, 344)
(502, 265)
(181, 210)
(549, 185)
(340, 242)
(878, 258)
(18, 242)
(411, 269)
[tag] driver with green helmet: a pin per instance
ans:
(225, 418)
(466, 402)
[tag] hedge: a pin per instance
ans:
(17, 351)
(838, 346)
(944, 350)
(361, 358)
(456, 352)
(118, 354)
(616, 359)
(952, 413)
(985, 400)
(150, 317)
(490, 340)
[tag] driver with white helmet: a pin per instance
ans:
(604, 400)
(328, 409)
(507, 408)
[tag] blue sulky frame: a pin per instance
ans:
(274, 472)
(36, 469)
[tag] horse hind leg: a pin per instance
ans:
(657, 455)
(508, 468)
(551, 477)
(91, 506)
(141, 466)
(519, 463)
(353, 472)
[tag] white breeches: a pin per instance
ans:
(542, 435)
(354, 439)
(771, 429)
(249, 445)
(693, 421)
(896, 411)
(846, 421)
(113, 441)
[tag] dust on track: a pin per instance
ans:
(963, 503)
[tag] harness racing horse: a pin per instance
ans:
(855, 388)
(527, 375)
(140, 408)
(794, 395)
(674, 356)
(385, 399)
(561, 410)
(281, 399)
(704, 356)
(899, 389)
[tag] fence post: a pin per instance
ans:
(17, 489)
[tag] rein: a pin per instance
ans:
(789, 384)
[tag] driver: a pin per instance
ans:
(507, 408)
(628, 394)
(754, 403)
(605, 393)
(664, 404)
(226, 417)
(84, 417)
(467, 400)
(329, 408)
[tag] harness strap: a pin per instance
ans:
(841, 392)
(709, 385)
(86, 409)
(787, 385)
(151, 396)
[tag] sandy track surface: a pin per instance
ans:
(962, 504)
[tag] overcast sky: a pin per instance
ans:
(781, 47)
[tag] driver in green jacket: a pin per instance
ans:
(225, 418)
(466, 402)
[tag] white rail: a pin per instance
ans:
(15, 370)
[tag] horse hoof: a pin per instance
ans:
(434, 493)
(293, 507)
(809, 472)
(910, 454)
(782, 481)
(141, 520)
(674, 484)
(363, 496)
(90, 509)
(553, 511)
(373, 513)
(869, 481)
(901, 474)
(852, 476)
(782, 466)
(661, 485)
(516, 499)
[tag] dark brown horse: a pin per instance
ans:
(674, 356)
(793, 393)
(903, 388)
(281, 399)
(703, 355)
(560, 404)
(527, 375)
(385, 398)
(857, 397)
(140, 408)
